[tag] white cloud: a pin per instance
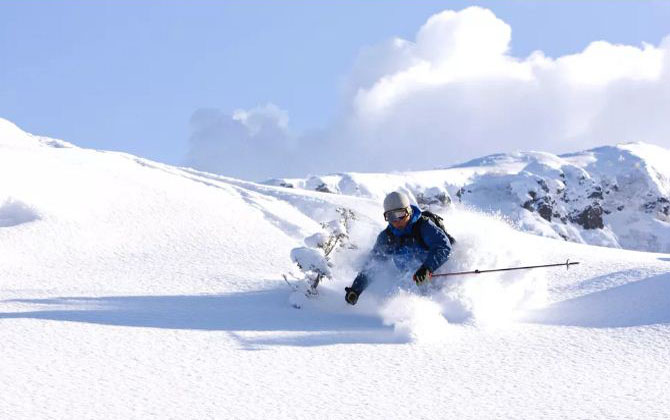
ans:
(259, 118)
(453, 93)
(252, 144)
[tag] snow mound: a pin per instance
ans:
(14, 212)
(645, 302)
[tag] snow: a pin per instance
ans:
(310, 259)
(13, 213)
(133, 289)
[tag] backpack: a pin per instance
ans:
(416, 233)
(439, 222)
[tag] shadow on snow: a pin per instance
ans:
(643, 302)
(258, 311)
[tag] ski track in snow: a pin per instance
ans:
(131, 289)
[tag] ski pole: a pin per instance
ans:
(566, 264)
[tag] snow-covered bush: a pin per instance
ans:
(314, 259)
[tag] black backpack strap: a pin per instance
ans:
(416, 231)
(401, 240)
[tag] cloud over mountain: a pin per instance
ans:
(452, 93)
(248, 144)
(456, 90)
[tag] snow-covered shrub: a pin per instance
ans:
(314, 259)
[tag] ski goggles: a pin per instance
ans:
(397, 214)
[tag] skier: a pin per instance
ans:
(411, 240)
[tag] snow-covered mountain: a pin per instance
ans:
(616, 196)
(132, 289)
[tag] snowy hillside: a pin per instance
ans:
(616, 196)
(132, 289)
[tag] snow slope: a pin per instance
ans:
(616, 196)
(132, 289)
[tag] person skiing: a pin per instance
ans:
(410, 240)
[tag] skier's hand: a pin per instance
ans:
(351, 296)
(421, 275)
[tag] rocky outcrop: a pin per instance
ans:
(544, 206)
(323, 188)
(590, 218)
(432, 198)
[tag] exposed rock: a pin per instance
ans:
(528, 205)
(278, 182)
(543, 205)
(439, 199)
(590, 218)
(661, 205)
(598, 193)
(545, 210)
(461, 192)
(323, 188)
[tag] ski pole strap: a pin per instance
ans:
(566, 264)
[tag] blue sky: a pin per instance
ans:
(128, 75)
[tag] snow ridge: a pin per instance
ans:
(615, 196)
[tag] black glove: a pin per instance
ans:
(351, 296)
(421, 275)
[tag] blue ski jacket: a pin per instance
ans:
(421, 242)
